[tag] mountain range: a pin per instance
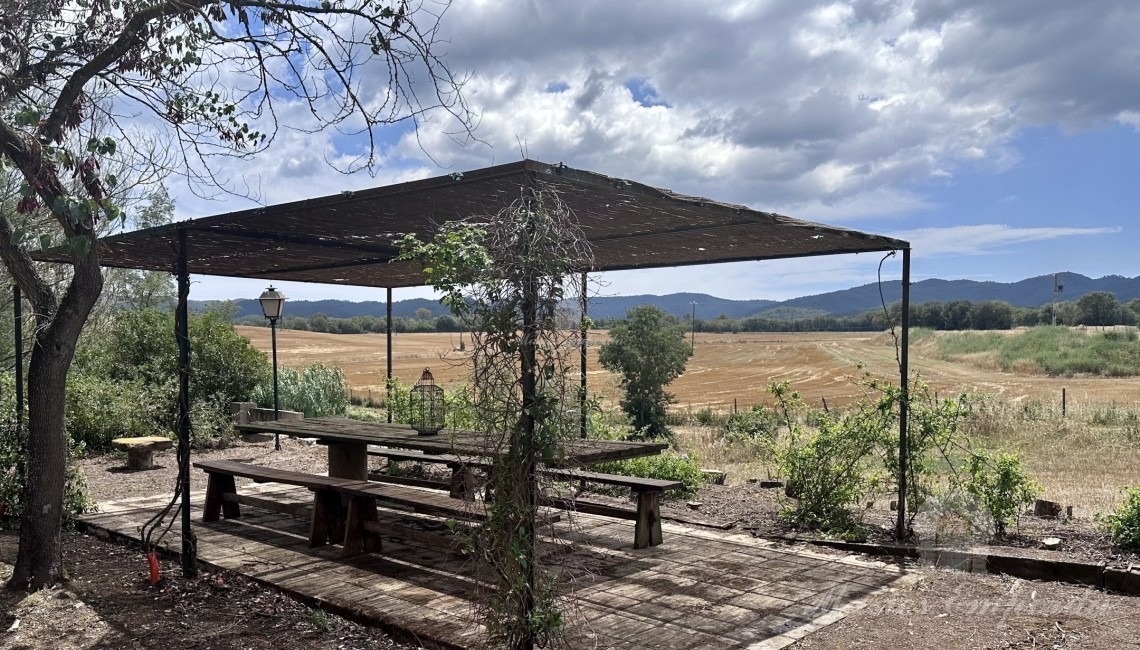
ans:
(1030, 292)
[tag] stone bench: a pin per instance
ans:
(140, 451)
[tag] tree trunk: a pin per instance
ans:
(39, 562)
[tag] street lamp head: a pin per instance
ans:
(272, 302)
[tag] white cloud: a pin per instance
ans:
(985, 238)
(830, 111)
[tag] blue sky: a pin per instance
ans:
(1001, 139)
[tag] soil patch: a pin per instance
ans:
(108, 602)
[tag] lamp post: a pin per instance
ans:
(272, 301)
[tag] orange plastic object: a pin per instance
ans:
(152, 560)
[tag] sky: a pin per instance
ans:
(1002, 139)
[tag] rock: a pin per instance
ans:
(695, 505)
(256, 437)
(1047, 509)
(1051, 543)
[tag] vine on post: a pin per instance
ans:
(506, 277)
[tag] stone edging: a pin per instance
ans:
(1123, 581)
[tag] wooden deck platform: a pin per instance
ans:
(701, 589)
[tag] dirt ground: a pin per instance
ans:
(110, 605)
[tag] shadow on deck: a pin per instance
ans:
(700, 589)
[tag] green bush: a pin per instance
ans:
(831, 468)
(140, 346)
(757, 424)
(138, 349)
(100, 410)
(1001, 484)
(13, 445)
(1124, 522)
(316, 390)
(668, 466)
(458, 406)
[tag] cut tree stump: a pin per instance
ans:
(1047, 509)
(140, 451)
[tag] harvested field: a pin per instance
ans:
(726, 367)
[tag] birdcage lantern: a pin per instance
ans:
(428, 412)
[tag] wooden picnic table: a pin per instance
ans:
(348, 442)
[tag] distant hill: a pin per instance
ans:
(1031, 292)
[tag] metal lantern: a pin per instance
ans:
(428, 414)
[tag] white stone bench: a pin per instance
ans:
(140, 451)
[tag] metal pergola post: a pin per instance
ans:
(904, 396)
(583, 332)
(388, 382)
(182, 335)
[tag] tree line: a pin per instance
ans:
(1099, 308)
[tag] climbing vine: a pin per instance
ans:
(507, 277)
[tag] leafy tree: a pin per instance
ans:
(991, 315)
(1099, 308)
(423, 313)
(76, 81)
(648, 349)
(957, 315)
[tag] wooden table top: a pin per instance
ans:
(448, 441)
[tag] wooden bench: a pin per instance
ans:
(647, 529)
(356, 527)
(325, 515)
(462, 484)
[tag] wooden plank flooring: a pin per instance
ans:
(700, 589)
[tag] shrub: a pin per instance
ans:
(13, 445)
(316, 390)
(830, 469)
(706, 417)
(1001, 484)
(757, 424)
(669, 466)
(458, 406)
(139, 351)
(1124, 522)
(140, 346)
(99, 410)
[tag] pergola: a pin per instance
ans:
(352, 238)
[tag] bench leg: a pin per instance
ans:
(140, 459)
(328, 521)
(218, 485)
(357, 540)
(462, 483)
(647, 532)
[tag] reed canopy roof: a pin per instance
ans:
(350, 238)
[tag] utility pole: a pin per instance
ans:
(693, 326)
(1057, 288)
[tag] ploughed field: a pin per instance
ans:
(725, 367)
